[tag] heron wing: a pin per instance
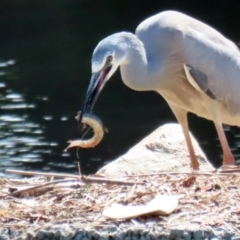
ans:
(215, 65)
(198, 80)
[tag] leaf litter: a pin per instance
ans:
(204, 200)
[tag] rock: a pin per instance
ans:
(163, 150)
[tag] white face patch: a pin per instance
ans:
(96, 67)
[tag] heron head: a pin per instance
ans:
(108, 55)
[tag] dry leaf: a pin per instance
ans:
(160, 205)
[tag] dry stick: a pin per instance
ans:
(82, 178)
(223, 172)
(107, 180)
(29, 173)
(209, 172)
(79, 170)
(41, 186)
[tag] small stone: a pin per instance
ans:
(164, 238)
(4, 237)
(4, 234)
(49, 234)
(157, 238)
(128, 238)
(69, 237)
(30, 235)
(79, 236)
(112, 228)
(145, 232)
(136, 237)
(57, 234)
(130, 231)
(206, 236)
(90, 233)
(214, 238)
(102, 238)
(122, 235)
(123, 226)
(151, 235)
(236, 237)
(139, 231)
(198, 235)
(19, 238)
(176, 233)
(151, 224)
(41, 235)
(96, 234)
(187, 235)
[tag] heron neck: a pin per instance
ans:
(135, 72)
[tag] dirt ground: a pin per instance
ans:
(207, 199)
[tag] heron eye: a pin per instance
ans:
(108, 60)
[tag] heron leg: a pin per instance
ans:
(228, 158)
(181, 116)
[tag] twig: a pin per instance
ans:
(82, 178)
(228, 172)
(44, 187)
(79, 170)
(107, 180)
(30, 173)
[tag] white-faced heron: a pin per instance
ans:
(193, 66)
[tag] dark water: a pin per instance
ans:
(45, 53)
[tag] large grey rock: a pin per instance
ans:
(163, 150)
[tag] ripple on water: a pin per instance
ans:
(29, 157)
(48, 118)
(11, 118)
(2, 85)
(21, 140)
(14, 96)
(17, 106)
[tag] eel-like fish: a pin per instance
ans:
(96, 124)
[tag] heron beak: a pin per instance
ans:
(97, 83)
